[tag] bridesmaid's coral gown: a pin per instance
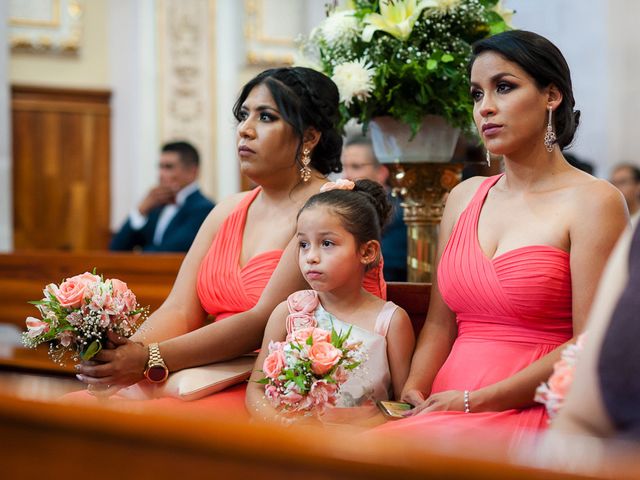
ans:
(511, 310)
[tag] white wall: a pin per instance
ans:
(579, 28)
(6, 195)
(88, 69)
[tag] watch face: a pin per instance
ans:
(157, 373)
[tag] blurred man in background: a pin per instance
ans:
(170, 215)
(626, 177)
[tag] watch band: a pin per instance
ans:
(154, 355)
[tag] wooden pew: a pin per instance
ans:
(414, 298)
(24, 274)
(106, 443)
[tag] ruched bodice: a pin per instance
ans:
(524, 293)
(225, 287)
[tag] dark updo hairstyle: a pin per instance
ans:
(363, 211)
(544, 62)
(305, 98)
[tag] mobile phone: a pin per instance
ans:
(393, 410)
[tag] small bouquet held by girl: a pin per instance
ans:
(331, 352)
(304, 373)
(78, 314)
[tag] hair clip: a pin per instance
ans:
(340, 184)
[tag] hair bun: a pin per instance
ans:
(377, 196)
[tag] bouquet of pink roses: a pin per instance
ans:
(553, 392)
(78, 313)
(304, 373)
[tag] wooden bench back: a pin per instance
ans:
(51, 439)
(23, 276)
(414, 298)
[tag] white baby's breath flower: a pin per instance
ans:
(340, 27)
(354, 80)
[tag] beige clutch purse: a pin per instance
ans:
(194, 383)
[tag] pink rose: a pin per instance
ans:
(317, 334)
(299, 320)
(273, 364)
(561, 378)
(303, 301)
(87, 278)
(130, 301)
(323, 357)
(118, 287)
(71, 293)
(36, 327)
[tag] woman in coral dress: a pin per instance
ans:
(520, 254)
(243, 261)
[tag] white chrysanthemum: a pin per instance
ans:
(340, 27)
(354, 80)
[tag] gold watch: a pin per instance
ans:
(156, 370)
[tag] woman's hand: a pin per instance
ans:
(451, 400)
(122, 363)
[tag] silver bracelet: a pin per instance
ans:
(467, 408)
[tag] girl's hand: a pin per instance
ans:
(121, 365)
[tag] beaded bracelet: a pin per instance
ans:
(467, 408)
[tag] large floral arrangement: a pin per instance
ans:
(553, 392)
(78, 313)
(403, 58)
(304, 373)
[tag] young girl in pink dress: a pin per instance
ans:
(520, 254)
(338, 236)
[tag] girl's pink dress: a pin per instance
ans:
(224, 289)
(510, 310)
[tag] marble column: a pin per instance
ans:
(134, 115)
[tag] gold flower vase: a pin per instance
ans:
(422, 176)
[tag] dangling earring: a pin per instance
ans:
(488, 159)
(305, 171)
(549, 135)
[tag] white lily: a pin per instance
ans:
(505, 13)
(396, 17)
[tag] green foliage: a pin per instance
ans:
(92, 350)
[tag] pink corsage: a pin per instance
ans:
(299, 320)
(340, 184)
(554, 391)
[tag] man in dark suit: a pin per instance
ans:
(169, 217)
